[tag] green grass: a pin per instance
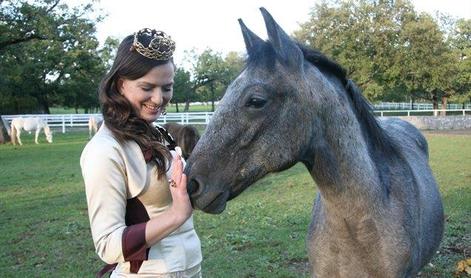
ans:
(44, 229)
(193, 108)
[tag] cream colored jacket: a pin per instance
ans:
(115, 176)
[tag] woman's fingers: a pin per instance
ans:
(177, 175)
(183, 181)
(177, 168)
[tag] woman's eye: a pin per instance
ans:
(256, 102)
(168, 89)
(147, 89)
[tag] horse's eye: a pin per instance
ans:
(256, 102)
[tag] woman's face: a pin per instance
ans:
(150, 94)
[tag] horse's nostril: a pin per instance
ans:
(192, 187)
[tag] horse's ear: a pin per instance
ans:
(252, 41)
(284, 46)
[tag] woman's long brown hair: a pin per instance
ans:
(118, 113)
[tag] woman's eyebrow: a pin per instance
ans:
(145, 83)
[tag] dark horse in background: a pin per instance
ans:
(185, 136)
(378, 212)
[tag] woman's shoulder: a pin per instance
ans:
(103, 143)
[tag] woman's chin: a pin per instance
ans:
(151, 118)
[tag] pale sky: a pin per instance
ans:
(202, 24)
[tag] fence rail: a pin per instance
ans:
(64, 121)
(415, 106)
(429, 112)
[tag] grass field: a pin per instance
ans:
(44, 230)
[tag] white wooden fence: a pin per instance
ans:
(416, 106)
(429, 112)
(64, 121)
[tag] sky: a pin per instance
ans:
(202, 24)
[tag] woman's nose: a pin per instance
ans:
(157, 96)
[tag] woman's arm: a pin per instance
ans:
(105, 185)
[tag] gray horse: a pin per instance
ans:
(378, 212)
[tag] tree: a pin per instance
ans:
(362, 36)
(391, 52)
(209, 74)
(213, 73)
(182, 88)
(460, 40)
(78, 88)
(44, 43)
(23, 21)
(234, 64)
(43, 46)
(427, 62)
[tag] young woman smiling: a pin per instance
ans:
(139, 209)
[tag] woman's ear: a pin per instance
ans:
(119, 86)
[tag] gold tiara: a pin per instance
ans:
(161, 45)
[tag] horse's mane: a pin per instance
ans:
(371, 129)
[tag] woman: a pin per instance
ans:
(140, 212)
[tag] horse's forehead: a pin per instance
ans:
(262, 75)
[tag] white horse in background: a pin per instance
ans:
(92, 126)
(29, 124)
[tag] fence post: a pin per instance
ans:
(63, 123)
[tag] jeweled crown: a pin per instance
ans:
(160, 47)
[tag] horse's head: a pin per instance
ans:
(48, 133)
(263, 124)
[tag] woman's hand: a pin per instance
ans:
(179, 211)
(181, 206)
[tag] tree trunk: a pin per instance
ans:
(435, 104)
(212, 97)
(4, 138)
(444, 105)
(412, 102)
(188, 94)
(176, 106)
(187, 106)
(44, 106)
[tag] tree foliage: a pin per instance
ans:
(213, 73)
(183, 88)
(390, 51)
(49, 56)
(460, 41)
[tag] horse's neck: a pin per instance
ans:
(341, 164)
